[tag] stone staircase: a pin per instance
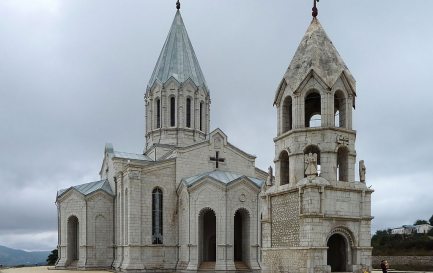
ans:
(209, 267)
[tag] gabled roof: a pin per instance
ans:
(89, 188)
(316, 52)
(177, 58)
(221, 176)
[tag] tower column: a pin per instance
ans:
(164, 111)
(349, 106)
(327, 110)
(298, 112)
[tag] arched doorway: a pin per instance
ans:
(207, 236)
(337, 253)
(73, 239)
(241, 238)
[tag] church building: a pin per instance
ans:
(192, 201)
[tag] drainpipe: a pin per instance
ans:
(59, 251)
(114, 221)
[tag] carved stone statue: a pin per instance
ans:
(270, 179)
(362, 171)
(311, 165)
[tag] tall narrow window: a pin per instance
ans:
(287, 114)
(313, 111)
(343, 164)
(188, 112)
(172, 111)
(284, 168)
(157, 216)
(158, 113)
(201, 116)
(340, 109)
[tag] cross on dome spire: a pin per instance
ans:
(315, 10)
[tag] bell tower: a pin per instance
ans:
(314, 103)
(177, 99)
(315, 216)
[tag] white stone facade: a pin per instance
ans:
(193, 201)
(316, 217)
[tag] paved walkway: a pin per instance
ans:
(394, 271)
(45, 269)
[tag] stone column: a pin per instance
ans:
(349, 108)
(327, 105)
(298, 110)
(164, 109)
(221, 218)
(193, 240)
(118, 223)
(133, 259)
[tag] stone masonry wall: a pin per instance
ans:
(285, 220)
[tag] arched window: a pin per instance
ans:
(188, 112)
(343, 164)
(284, 168)
(313, 150)
(313, 110)
(157, 216)
(287, 114)
(340, 109)
(201, 116)
(158, 113)
(172, 111)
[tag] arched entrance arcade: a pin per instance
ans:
(340, 249)
(73, 240)
(241, 230)
(207, 238)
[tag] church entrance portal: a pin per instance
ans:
(241, 236)
(337, 253)
(73, 239)
(207, 236)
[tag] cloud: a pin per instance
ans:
(398, 200)
(73, 75)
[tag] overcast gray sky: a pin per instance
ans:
(73, 74)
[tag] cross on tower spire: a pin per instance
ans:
(315, 10)
(178, 5)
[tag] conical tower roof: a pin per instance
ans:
(316, 53)
(177, 58)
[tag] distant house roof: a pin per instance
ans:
(221, 176)
(89, 188)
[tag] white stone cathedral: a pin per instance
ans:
(194, 202)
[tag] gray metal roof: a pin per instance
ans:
(89, 188)
(221, 176)
(316, 52)
(177, 58)
(131, 156)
